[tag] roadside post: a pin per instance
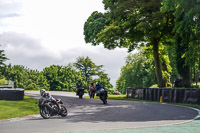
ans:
(160, 99)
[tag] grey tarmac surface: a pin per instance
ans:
(91, 114)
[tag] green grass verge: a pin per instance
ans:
(117, 97)
(12, 109)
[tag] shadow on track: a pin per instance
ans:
(93, 110)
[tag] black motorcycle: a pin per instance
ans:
(103, 95)
(80, 92)
(49, 108)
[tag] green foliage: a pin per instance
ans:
(173, 62)
(88, 69)
(138, 72)
(154, 86)
(3, 81)
(131, 24)
(104, 80)
(94, 24)
(187, 30)
(3, 58)
(61, 77)
(55, 77)
(24, 77)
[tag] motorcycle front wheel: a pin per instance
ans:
(104, 99)
(64, 111)
(45, 113)
(81, 95)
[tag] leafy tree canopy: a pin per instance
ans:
(129, 24)
(3, 57)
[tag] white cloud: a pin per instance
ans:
(8, 8)
(47, 32)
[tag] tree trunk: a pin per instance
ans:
(158, 69)
(183, 68)
(193, 77)
(198, 73)
(165, 69)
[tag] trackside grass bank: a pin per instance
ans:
(12, 109)
(117, 97)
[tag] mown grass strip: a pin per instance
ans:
(12, 109)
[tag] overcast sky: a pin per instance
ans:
(40, 33)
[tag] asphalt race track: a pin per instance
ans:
(91, 114)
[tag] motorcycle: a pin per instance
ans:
(80, 92)
(49, 108)
(92, 93)
(103, 95)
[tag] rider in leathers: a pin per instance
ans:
(48, 96)
(78, 85)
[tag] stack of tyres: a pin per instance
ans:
(11, 94)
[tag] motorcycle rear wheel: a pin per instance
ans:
(80, 96)
(105, 101)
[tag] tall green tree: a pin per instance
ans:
(138, 72)
(187, 31)
(131, 23)
(3, 57)
(87, 68)
(104, 80)
(24, 77)
(61, 77)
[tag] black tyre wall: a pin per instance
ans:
(11, 94)
(190, 96)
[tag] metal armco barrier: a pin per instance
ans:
(190, 96)
(11, 94)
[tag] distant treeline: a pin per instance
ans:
(55, 77)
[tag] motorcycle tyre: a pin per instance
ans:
(80, 96)
(64, 115)
(42, 111)
(104, 99)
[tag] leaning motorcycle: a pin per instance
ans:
(48, 108)
(80, 92)
(103, 95)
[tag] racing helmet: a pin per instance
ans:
(42, 91)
